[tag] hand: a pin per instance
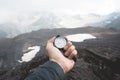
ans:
(57, 56)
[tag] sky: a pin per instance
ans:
(71, 7)
(61, 6)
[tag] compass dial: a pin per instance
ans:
(60, 42)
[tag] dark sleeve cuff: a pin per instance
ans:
(56, 67)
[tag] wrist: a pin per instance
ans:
(64, 64)
(60, 64)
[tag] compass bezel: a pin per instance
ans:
(60, 42)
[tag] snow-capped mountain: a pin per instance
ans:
(112, 21)
(23, 23)
(19, 24)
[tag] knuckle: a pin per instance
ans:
(70, 43)
(74, 52)
(72, 47)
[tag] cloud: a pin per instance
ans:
(61, 6)
(117, 4)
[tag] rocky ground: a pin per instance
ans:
(98, 59)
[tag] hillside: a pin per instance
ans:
(98, 59)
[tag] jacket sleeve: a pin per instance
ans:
(49, 71)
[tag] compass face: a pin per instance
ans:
(60, 42)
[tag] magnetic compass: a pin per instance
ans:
(60, 43)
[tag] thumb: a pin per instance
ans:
(51, 40)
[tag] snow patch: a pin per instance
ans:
(30, 55)
(80, 37)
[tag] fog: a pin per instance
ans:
(21, 16)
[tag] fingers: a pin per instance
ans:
(69, 44)
(70, 50)
(73, 54)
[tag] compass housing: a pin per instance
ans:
(60, 42)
